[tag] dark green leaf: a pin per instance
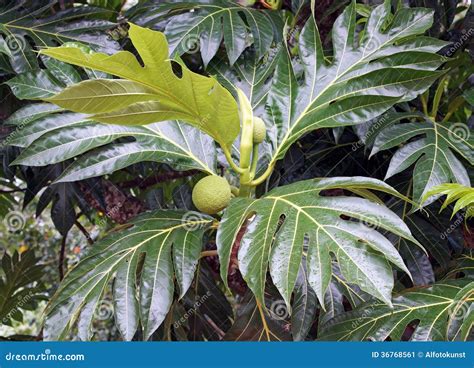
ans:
(201, 27)
(363, 80)
(442, 311)
(290, 219)
(142, 290)
(20, 287)
(431, 152)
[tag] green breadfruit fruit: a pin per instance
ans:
(211, 194)
(259, 130)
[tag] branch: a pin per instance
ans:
(84, 231)
(219, 332)
(208, 253)
(231, 162)
(62, 252)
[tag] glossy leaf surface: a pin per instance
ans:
(430, 147)
(148, 94)
(441, 312)
(365, 77)
(142, 259)
(293, 219)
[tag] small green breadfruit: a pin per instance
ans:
(259, 130)
(211, 194)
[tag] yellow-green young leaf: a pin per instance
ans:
(462, 195)
(160, 90)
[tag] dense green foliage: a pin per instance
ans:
(257, 171)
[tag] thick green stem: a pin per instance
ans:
(230, 160)
(245, 187)
(246, 150)
(264, 176)
(246, 144)
(245, 157)
(453, 107)
(253, 166)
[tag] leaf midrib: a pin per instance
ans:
(288, 133)
(328, 234)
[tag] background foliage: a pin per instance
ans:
(68, 181)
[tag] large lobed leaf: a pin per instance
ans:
(43, 83)
(431, 147)
(444, 311)
(250, 74)
(142, 259)
(150, 93)
(20, 286)
(391, 62)
(50, 135)
(253, 76)
(203, 25)
(293, 220)
(59, 137)
(426, 229)
(22, 22)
